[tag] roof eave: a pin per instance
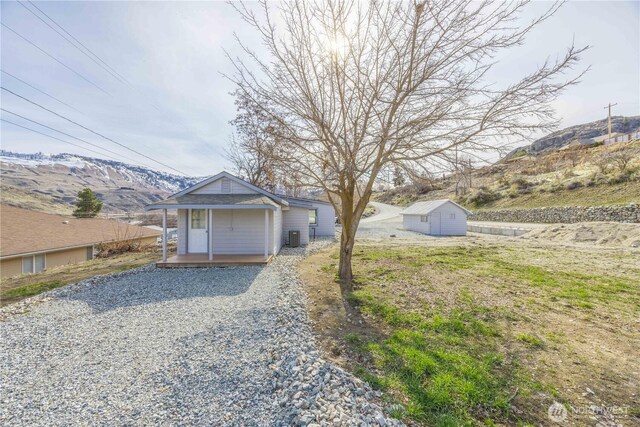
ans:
(207, 206)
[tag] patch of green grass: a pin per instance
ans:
(444, 364)
(32, 289)
(578, 289)
(532, 340)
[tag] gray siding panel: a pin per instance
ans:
(452, 226)
(277, 230)
(448, 226)
(326, 220)
(413, 223)
(182, 231)
(215, 187)
(239, 231)
(296, 219)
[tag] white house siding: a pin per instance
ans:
(182, 231)
(215, 187)
(326, 220)
(239, 231)
(413, 223)
(452, 227)
(277, 230)
(296, 218)
(448, 226)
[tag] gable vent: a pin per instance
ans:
(226, 185)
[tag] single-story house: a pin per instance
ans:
(436, 218)
(226, 220)
(31, 242)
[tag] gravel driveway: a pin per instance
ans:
(219, 346)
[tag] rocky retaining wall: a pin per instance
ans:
(564, 214)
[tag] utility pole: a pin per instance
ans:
(609, 107)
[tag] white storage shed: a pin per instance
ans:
(436, 218)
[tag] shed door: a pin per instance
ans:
(435, 224)
(197, 231)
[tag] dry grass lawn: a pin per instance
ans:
(491, 332)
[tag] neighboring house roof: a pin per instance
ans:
(215, 200)
(425, 208)
(23, 231)
(225, 174)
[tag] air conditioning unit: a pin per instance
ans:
(294, 238)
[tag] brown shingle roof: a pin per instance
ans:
(25, 231)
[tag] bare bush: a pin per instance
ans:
(125, 241)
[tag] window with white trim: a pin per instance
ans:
(33, 263)
(424, 218)
(198, 219)
(27, 264)
(452, 216)
(38, 264)
(313, 216)
(225, 185)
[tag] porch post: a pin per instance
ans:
(266, 234)
(210, 235)
(164, 235)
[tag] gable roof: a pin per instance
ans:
(218, 200)
(225, 174)
(25, 231)
(425, 208)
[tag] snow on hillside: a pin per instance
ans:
(136, 176)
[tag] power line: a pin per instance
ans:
(53, 57)
(62, 140)
(92, 131)
(71, 136)
(79, 42)
(67, 39)
(41, 91)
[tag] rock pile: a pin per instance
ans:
(564, 214)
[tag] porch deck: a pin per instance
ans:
(202, 260)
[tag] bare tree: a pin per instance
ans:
(357, 86)
(251, 147)
(464, 167)
(622, 158)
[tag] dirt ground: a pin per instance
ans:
(587, 353)
(612, 234)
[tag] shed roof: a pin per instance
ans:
(215, 200)
(24, 231)
(425, 208)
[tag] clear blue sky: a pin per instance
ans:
(177, 106)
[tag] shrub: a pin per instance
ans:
(620, 178)
(483, 196)
(573, 185)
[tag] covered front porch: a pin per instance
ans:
(221, 230)
(203, 260)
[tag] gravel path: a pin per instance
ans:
(220, 346)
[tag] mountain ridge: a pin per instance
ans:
(583, 133)
(58, 177)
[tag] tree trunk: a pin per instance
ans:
(345, 271)
(350, 219)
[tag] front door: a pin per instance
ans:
(197, 242)
(435, 224)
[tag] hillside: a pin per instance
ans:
(50, 182)
(580, 133)
(577, 175)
